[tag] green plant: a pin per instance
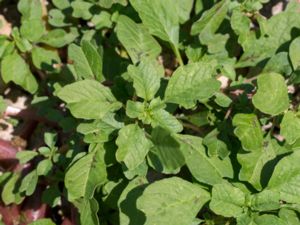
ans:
(152, 112)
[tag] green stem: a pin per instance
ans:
(177, 54)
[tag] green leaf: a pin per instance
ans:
(290, 127)
(183, 9)
(289, 216)
(86, 174)
(9, 194)
(172, 201)
(273, 34)
(279, 63)
(153, 114)
(165, 156)
(58, 37)
(58, 19)
(272, 94)
(159, 17)
(294, 53)
(45, 59)
(136, 40)
(265, 219)
(88, 209)
(42, 222)
(29, 183)
(211, 19)
(192, 83)
(22, 43)
(129, 214)
(32, 29)
(30, 9)
(286, 177)
(87, 60)
(248, 131)
(25, 156)
(268, 219)
(222, 100)
(265, 201)
(81, 9)
(44, 167)
(133, 146)
(209, 170)
(15, 69)
(253, 163)
(227, 200)
(108, 3)
(100, 131)
(146, 78)
(215, 146)
(88, 99)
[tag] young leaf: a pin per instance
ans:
(15, 69)
(136, 40)
(153, 114)
(272, 94)
(133, 146)
(146, 78)
(209, 170)
(227, 200)
(165, 156)
(249, 132)
(191, 83)
(172, 201)
(9, 194)
(88, 99)
(86, 174)
(87, 60)
(29, 183)
(290, 127)
(25, 156)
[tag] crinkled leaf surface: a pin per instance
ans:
(248, 131)
(286, 177)
(227, 200)
(136, 39)
(294, 53)
(87, 60)
(88, 99)
(159, 17)
(86, 174)
(172, 201)
(146, 78)
(209, 170)
(15, 69)
(133, 146)
(272, 94)
(191, 83)
(165, 156)
(290, 127)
